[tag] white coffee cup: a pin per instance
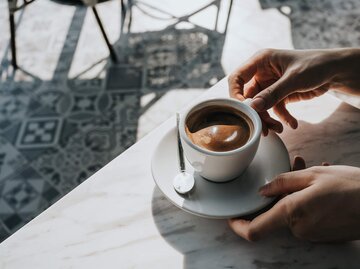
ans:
(221, 166)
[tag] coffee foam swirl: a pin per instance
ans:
(219, 128)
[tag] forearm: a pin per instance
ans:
(346, 76)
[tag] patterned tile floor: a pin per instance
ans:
(68, 110)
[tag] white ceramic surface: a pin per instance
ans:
(233, 162)
(221, 200)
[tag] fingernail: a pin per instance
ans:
(240, 97)
(262, 189)
(291, 124)
(258, 103)
(279, 129)
(294, 124)
(265, 133)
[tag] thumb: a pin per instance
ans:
(287, 183)
(272, 95)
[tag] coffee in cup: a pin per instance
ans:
(219, 128)
(220, 137)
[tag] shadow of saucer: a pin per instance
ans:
(207, 243)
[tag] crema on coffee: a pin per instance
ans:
(219, 128)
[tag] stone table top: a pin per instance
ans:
(119, 219)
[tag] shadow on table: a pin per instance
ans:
(79, 124)
(320, 24)
(209, 243)
(334, 140)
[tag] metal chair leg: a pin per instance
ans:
(123, 10)
(12, 40)
(228, 17)
(110, 47)
(130, 4)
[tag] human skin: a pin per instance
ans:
(274, 78)
(321, 203)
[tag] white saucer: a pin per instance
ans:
(235, 198)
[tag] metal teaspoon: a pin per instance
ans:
(183, 182)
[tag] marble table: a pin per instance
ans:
(119, 219)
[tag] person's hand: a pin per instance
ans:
(322, 205)
(274, 78)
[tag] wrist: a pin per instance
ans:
(344, 68)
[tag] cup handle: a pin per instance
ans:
(247, 101)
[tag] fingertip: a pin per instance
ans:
(299, 158)
(231, 221)
(239, 96)
(281, 111)
(265, 129)
(238, 224)
(293, 123)
(279, 128)
(263, 190)
(299, 163)
(276, 126)
(240, 227)
(265, 132)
